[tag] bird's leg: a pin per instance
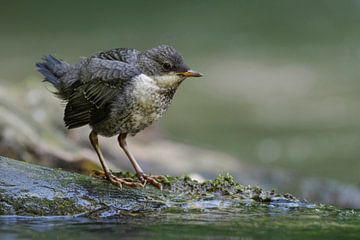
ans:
(108, 175)
(139, 172)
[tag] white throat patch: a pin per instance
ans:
(170, 80)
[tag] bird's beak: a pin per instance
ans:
(190, 73)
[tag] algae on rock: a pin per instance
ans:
(32, 190)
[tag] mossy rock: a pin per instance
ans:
(31, 190)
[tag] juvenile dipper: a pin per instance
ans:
(118, 92)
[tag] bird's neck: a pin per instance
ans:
(167, 82)
(167, 85)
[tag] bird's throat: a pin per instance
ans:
(168, 82)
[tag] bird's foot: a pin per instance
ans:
(153, 180)
(129, 182)
(124, 182)
(144, 179)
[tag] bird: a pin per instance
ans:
(119, 92)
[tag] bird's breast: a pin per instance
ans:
(149, 102)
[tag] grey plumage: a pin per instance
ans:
(128, 55)
(117, 91)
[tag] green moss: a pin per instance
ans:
(125, 174)
(223, 185)
(34, 206)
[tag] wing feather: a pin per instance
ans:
(128, 55)
(101, 81)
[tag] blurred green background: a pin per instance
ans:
(281, 86)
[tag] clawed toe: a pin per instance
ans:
(120, 182)
(129, 182)
(98, 173)
(160, 177)
(145, 179)
(124, 182)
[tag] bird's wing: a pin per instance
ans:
(128, 55)
(100, 82)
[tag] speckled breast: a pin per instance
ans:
(144, 102)
(149, 104)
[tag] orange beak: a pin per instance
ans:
(190, 73)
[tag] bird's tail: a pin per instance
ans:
(53, 69)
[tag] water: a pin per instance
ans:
(242, 222)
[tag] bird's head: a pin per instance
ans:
(166, 66)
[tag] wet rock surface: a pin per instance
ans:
(31, 190)
(42, 203)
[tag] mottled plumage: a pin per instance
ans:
(120, 91)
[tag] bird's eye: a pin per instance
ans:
(166, 66)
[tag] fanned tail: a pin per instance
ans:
(53, 69)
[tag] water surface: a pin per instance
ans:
(242, 222)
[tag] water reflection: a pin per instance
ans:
(214, 223)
